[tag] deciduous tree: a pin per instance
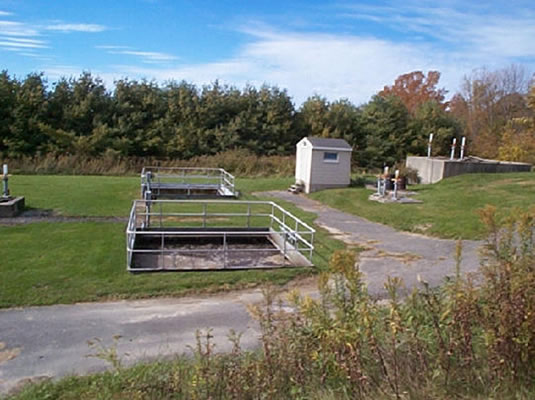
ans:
(487, 102)
(415, 89)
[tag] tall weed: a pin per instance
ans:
(238, 162)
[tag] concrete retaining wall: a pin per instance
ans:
(431, 170)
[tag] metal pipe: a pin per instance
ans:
(396, 177)
(385, 177)
(224, 250)
(5, 191)
(453, 145)
(463, 143)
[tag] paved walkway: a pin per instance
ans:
(52, 341)
(389, 252)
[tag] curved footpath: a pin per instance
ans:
(51, 341)
(388, 252)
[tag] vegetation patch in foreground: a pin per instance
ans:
(449, 208)
(457, 341)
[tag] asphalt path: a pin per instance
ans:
(52, 341)
(388, 252)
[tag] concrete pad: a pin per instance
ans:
(12, 207)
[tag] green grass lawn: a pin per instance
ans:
(49, 263)
(449, 208)
(77, 195)
(103, 195)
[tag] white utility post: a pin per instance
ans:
(5, 191)
(396, 177)
(453, 145)
(463, 143)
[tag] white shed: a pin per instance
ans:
(322, 163)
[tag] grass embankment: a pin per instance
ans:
(449, 208)
(48, 263)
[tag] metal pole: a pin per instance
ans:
(284, 247)
(453, 145)
(396, 176)
(147, 210)
(311, 245)
(162, 252)
(463, 143)
(161, 214)
(5, 192)
(224, 250)
(429, 145)
(378, 185)
(148, 183)
(385, 177)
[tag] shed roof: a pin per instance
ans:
(330, 143)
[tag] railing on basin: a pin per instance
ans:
(156, 178)
(202, 218)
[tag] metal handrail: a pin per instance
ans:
(223, 178)
(137, 221)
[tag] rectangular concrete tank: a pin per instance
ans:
(434, 169)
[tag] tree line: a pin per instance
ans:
(179, 120)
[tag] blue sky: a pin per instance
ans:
(339, 49)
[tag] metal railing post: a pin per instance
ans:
(284, 248)
(162, 250)
(161, 215)
(147, 214)
(224, 250)
(311, 246)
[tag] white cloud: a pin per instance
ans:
(349, 66)
(56, 72)
(20, 37)
(20, 45)
(90, 28)
(13, 28)
(111, 47)
(36, 42)
(476, 30)
(5, 14)
(334, 66)
(148, 56)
